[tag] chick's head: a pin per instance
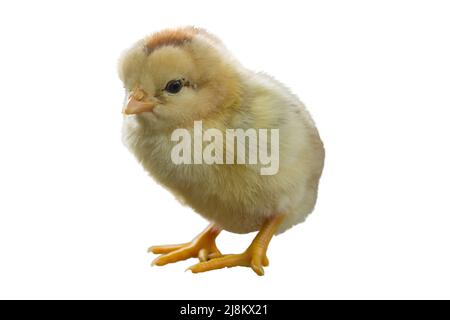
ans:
(176, 76)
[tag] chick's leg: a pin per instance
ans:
(254, 256)
(203, 246)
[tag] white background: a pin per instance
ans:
(77, 212)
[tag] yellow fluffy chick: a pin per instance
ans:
(176, 77)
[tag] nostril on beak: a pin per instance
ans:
(138, 94)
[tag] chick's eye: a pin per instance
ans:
(174, 86)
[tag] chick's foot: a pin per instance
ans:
(202, 247)
(254, 257)
(250, 258)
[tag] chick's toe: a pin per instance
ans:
(202, 247)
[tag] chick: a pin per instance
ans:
(176, 77)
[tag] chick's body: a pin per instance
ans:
(223, 95)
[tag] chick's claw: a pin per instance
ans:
(265, 261)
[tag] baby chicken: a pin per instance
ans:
(177, 77)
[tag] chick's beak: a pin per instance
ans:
(136, 105)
